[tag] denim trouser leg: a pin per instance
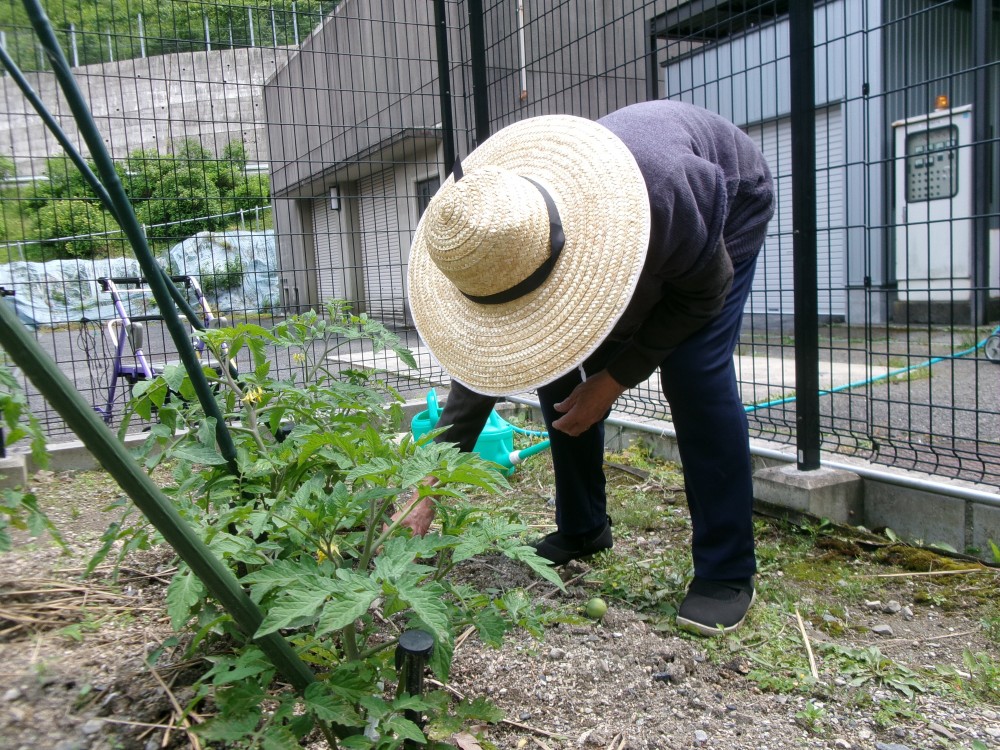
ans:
(465, 412)
(577, 462)
(699, 381)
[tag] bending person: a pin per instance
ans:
(578, 258)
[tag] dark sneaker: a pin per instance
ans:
(715, 607)
(559, 548)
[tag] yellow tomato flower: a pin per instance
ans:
(253, 394)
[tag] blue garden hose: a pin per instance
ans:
(990, 344)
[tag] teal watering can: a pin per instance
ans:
(495, 442)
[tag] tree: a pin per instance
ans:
(6, 167)
(77, 228)
(167, 27)
(177, 187)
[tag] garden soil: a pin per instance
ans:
(74, 673)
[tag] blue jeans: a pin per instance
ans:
(699, 382)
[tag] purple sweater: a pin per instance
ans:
(711, 197)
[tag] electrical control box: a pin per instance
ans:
(933, 171)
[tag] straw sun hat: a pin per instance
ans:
(499, 303)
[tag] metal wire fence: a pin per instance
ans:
(355, 110)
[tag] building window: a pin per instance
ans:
(425, 191)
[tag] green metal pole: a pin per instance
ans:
(113, 456)
(158, 284)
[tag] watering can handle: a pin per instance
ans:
(433, 412)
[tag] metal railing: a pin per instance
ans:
(886, 360)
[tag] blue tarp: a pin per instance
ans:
(65, 291)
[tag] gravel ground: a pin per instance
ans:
(73, 674)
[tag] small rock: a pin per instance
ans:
(70, 745)
(874, 604)
(882, 629)
(93, 726)
(890, 746)
(944, 732)
(842, 743)
(866, 734)
(11, 695)
(990, 715)
(907, 613)
(830, 618)
(993, 732)
(700, 737)
(524, 715)
(557, 653)
(892, 607)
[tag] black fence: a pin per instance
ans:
(317, 143)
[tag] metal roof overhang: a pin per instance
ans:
(403, 145)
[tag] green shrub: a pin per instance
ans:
(77, 228)
(19, 509)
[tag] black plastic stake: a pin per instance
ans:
(412, 652)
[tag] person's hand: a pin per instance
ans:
(419, 513)
(588, 403)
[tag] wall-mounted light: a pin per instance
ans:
(334, 199)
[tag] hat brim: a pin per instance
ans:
(604, 208)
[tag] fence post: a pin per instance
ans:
(981, 159)
(803, 124)
(208, 36)
(250, 23)
(480, 85)
(72, 45)
(444, 85)
(142, 36)
(295, 24)
(111, 49)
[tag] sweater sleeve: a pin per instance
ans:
(688, 303)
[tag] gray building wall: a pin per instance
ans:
(363, 91)
(361, 97)
(745, 78)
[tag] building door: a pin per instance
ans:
(329, 257)
(773, 290)
(381, 251)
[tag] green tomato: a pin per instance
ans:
(596, 608)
